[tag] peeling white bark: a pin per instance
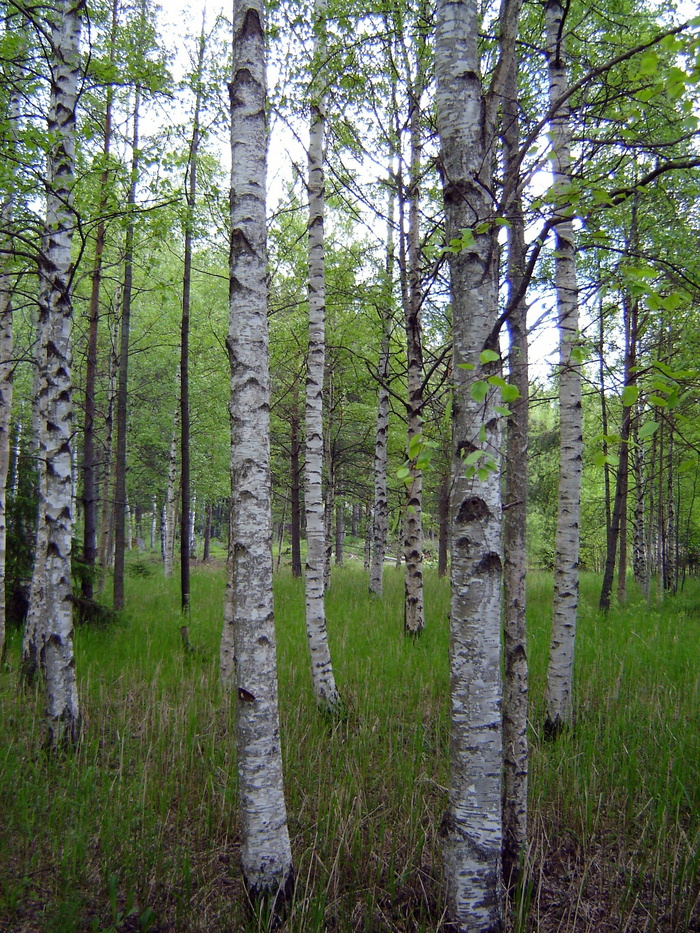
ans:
(565, 605)
(266, 852)
(324, 685)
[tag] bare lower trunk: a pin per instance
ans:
(558, 698)
(265, 851)
(295, 504)
(170, 501)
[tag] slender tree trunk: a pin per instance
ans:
(414, 618)
(640, 561)
(295, 475)
(89, 478)
(565, 607)
(266, 852)
(472, 827)
(516, 680)
(604, 420)
(325, 689)
(53, 564)
(170, 503)
(122, 387)
(339, 531)
(444, 525)
(191, 197)
(381, 510)
(329, 494)
(6, 343)
(206, 548)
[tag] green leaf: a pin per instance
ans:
(503, 410)
(482, 434)
(414, 446)
(479, 391)
(465, 366)
(648, 63)
(630, 394)
(658, 401)
(687, 465)
(403, 473)
(474, 457)
(647, 429)
(483, 474)
(577, 355)
(489, 356)
(509, 393)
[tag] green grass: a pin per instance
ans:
(138, 830)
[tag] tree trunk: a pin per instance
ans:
(516, 680)
(89, 481)
(265, 851)
(565, 605)
(414, 618)
(185, 492)
(444, 525)
(339, 532)
(325, 690)
(472, 827)
(381, 511)
(6, 363)
(295, 477)
(53, 561)
(170, 503)
(122, 386)
(206, 548)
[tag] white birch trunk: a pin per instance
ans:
(6, 367)
(325, 689)
(381, 510)
(472, 826)
(55, 404)
(170, 499)
(266, 851)
(154, 512)
(565, 606)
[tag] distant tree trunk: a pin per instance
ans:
(444, 525)
(108, 466)
(516, 680)
(329, 495)
(325, 689)
(122, 387)
(185, 491)
(295, 477)
(640, 562)
(265, 852)
(339, 532)
(170, 501)
(565, 605)
(206, 549)
(414, 617)
(381, 511)
(355, 520)
(89, 481)
(368, 536)
(53, 591)
(6, 363)
(154, 513)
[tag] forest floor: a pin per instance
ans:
(138, 829)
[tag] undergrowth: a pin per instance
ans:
(139, 831)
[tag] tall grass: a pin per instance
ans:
(139, 829)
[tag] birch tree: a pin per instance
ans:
(472, 827)
(266, 851)
(7, 210)
(51, 590)
(565, 606)
(325, 690)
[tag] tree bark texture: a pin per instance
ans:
(558, 699)
(266, 852)
(6, 343)
(53, 559)
(516, 679)
(324, 686)
(472, 827)
(123, 380)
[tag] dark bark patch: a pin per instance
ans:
(473, 509)
(245, 695)
(490, 563)
(251, 25)
(463, 542)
